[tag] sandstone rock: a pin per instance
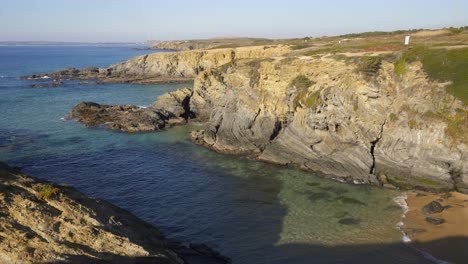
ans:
(165, 67)
(176, 102)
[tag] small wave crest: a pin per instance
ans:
(401, 201)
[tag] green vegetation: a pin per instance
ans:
(427, 182)
(441, 65)
(393, 117)
(369, 65)
(413, 124)
(331, 50)
(457, 127)
(302, 84)
(46, 191)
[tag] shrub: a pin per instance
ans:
(46, 191)
(302, 84)
(369, 65)
(457, 127)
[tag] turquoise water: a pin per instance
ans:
(250, 211)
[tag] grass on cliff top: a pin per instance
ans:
(441, 65)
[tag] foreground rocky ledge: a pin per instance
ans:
(45, 223)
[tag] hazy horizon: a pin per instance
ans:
(142, 20)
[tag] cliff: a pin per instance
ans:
(46, 223)
(347, 118)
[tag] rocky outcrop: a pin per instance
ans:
(176, 102)
(165, 67)
(325, 114)
(128, 118)
(46, 223)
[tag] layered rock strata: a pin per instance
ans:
(322, 114)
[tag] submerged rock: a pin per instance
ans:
(435, 221)
(46, 223)
(350, 221)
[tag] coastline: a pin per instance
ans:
(446, 242)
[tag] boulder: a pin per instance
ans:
(432, 208)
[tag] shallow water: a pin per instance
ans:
(252, 212)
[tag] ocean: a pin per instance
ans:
(250, 211)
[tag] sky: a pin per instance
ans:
(142, 20)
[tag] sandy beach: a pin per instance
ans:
(447, 241)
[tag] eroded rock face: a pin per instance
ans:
(45, 223)
(353, 126)
(176, 102)
(128, 118)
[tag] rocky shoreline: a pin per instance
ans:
(47, 223)
(353, 120)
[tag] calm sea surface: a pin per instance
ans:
(250, 211)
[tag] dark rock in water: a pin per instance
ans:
(393, 207)
(45, 85)
(420, 195)
(447, 207)
(313, 183)
(432, 208)
(333, 189)
(316, 196)
(340, 214)
(348, 200)
(412, 231)
(70, 73)
(128, 118)
(435, 221)
(350, 221)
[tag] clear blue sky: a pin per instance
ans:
(140, 20)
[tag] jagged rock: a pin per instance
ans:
(432, 208)
(127, 118)
(435, 221)
(176, 102)
(46, 223)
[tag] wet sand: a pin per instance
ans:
(447, 241)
